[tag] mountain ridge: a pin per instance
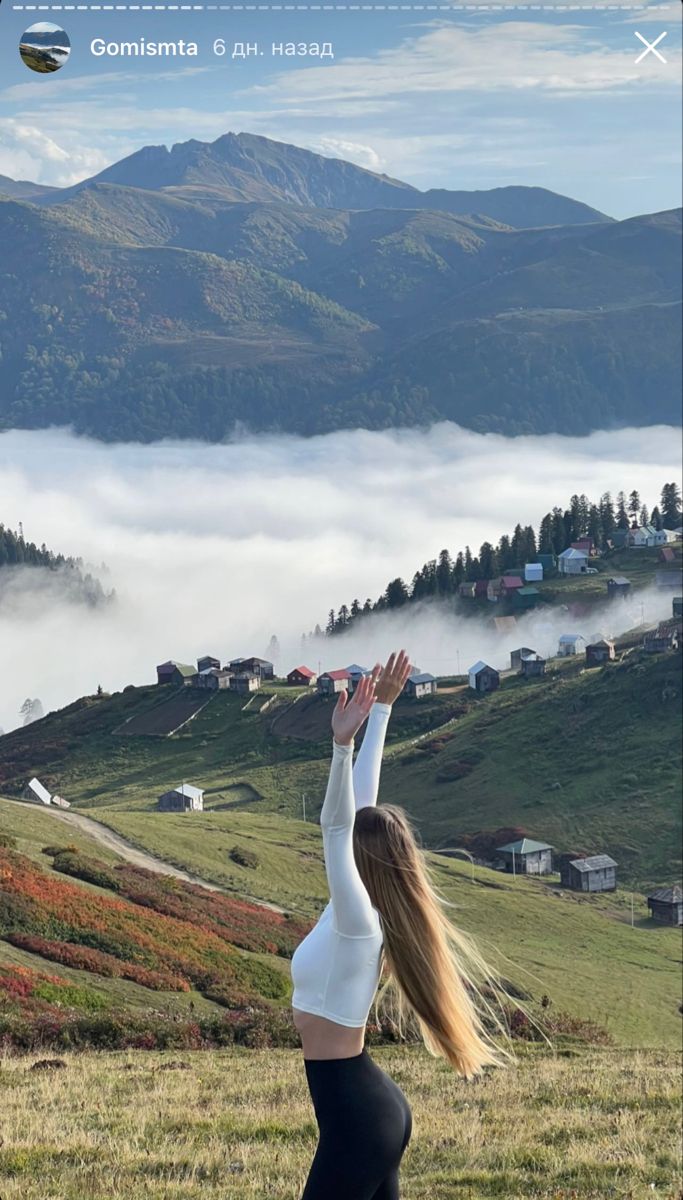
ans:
(246, 167)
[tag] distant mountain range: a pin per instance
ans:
(185, 292)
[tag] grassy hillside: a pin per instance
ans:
(240, 1124)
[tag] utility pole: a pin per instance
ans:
(304, 804)
(632, 922)
(514, 872)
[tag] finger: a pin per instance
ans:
(390, 663)
(341, 702)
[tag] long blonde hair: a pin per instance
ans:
(435, 970)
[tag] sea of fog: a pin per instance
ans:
(213, 549)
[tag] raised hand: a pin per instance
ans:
(349, 715)
(393, 677)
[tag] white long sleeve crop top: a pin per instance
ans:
(336, 968)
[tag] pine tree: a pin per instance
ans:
(671, 506)
(396, 594)
(656, 517)
(634, 505)
(607, 519)
(622, 515)
(444, 574)
(355, 609)
(545, 535)
(331, 622)
(459, 570)
(487, 561)
(644, 516)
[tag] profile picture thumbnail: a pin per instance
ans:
(45, 47)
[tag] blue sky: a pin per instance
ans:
(439, 99)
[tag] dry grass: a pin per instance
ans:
(238, 1125)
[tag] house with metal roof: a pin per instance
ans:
(666, 905)
(483, 678)
(516, 656)
(596, 873)
(302, 677)
(419, 685)
(618, 587)
(526, 857)
(572, 562)
(569, 644)
(331, 682)
(37, 792)
(532, 666)
(185, 798)
(525, 597)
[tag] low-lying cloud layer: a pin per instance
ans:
(213, 549)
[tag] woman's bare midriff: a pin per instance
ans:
(321, 1038)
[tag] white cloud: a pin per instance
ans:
(513, 56)
(210, 554)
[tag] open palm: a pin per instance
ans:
(349, 715)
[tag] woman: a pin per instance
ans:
(382, 902)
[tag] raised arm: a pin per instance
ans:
(390, 683)
(368, 765)
(351, 906)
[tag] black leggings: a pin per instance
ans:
(365, 1124)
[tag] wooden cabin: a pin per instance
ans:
(184, 798)
(666, 905)
(483, 678)
(597, 873)
(302, 677)
(419, 685)
(526, 857)
(600, 652)
(618, 587)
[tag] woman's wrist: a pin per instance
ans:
(344, 744)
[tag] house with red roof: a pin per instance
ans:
(302, 677)
(331, 682)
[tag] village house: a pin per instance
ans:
(572, 562)
(509, 584)
(253, 666)
(642, 536)
(184, 798)
(532, 666)
(516, 656)
(331, 682)
(569, 644)
(165, 671)
(597, 873)
(214, 679)
(355, 674)
(207, 663)
(666, 637)
(525, 597)
(618, 587)
(302, 677)
(419, 685)
(671, 578)
(466, 589)
(677, 606)
(481, 589)
(184, 675)
(666, 554)
(36, 792)
(526, 857)
(483, 678)
(666, 905)
(533, 572)
(599, 652)
(244, 682)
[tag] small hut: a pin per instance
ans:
(597, 873)
(483, 678)
(532, 666)
(666, 905)
(302, 677)
(420, 685)
(214, 679)
(599, 652)
(36, 792)
(665, 638)
(526, 857)
(331, 682)
(618, 587)
(184, 798)
(244, 682)
(516, 656)
(533, 572)
(569, 644)
(207, 663)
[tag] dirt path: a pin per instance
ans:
(140, 858)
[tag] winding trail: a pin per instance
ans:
(140, 858)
